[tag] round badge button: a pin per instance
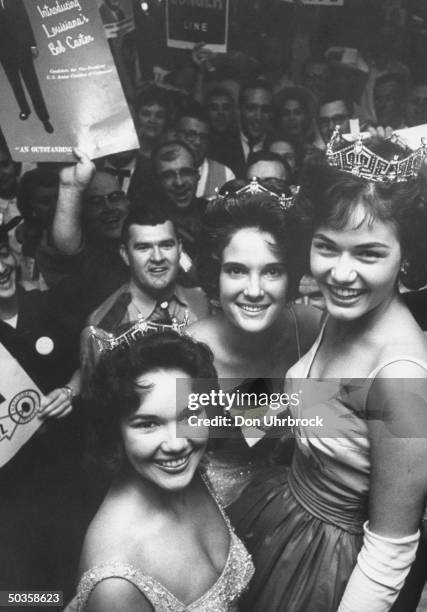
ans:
(44, 345)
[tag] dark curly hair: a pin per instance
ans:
(113, 391)
(329, 196)
(226, 216)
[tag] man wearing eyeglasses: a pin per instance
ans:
(178, 176)
(193, 129)
(81, 259)
(333, 113)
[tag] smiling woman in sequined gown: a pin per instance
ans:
(160, 541)
(340, 530)
(248, 263)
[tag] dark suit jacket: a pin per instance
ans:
(229, 151)
(16, 34)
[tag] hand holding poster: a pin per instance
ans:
(19, 407)
(59, 83)
(192, 21)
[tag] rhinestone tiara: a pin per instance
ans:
(106, 341)
(360, 161)
(255, 188)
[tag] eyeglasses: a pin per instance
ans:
(192, 135)
(183, 174)
(112, 198)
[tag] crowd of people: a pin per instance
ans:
(248, 244)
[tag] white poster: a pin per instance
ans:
(19, 406)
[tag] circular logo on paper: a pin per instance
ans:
(24, 406)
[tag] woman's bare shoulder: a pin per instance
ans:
(205, 330)
(111, 535)
(404, 339)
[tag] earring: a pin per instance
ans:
(404, 267)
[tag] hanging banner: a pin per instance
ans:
(319, 2)
(117, 17)
(19, 406)
(191, 21)
(59, 84)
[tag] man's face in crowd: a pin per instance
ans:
(417, 106)
(7, 272)
(256, 112)
(8, 179)
(315, 78)
(220, 113)
(179, 178)
(195, 134)
(152, 252)
(105, 207)
(388, 99)
(331, 115)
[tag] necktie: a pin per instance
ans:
(161, 313)
(251, 145)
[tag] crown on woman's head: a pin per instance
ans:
(357, 159)
(106, 341)
(254, 187)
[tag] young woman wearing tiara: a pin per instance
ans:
(340, 531)
(159, 540)
(248, 264)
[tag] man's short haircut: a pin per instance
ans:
(254, 84)
(332, 99)
(151, 95)
(269, 156)
(153, 214)
(194, 110)
(39, 177)
(168, 151)
(219, 92)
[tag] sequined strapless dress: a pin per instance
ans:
(221, 597)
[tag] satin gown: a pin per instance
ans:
(303, 526)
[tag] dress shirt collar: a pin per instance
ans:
(144, 304)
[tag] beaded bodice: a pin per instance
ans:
(221, 597)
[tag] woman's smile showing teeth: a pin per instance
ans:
(345, 293)
(173, 465)
(253, 308)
